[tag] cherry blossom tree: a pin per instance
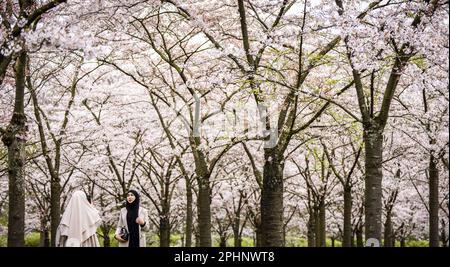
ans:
(289, 121)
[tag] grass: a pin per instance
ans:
(32, 240)
(414, 243)
(3, 240)
(112, 240)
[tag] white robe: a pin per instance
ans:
(79, 221)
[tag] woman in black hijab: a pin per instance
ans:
(132, 206)
(133, 219)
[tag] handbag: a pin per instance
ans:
(124, 233)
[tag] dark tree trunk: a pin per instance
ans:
(317, 236)
(4, 63)
(105, 232)
(236, 233)
(322, 225)
(347, 237)
(164, 231)
(311, 230)
(332, 242)
(106, 241)
(223, 242)
(238, 242)
(444, 238)
(433, 202)
(204, 195)
(359, 238)
(14, 140)
(388, 242)
(272, 201)
(402, 242)
(189, 213)
(55, 206)
(204, 211)
(197, 239)
(373, 140)
(44, 239)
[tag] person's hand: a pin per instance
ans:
(120, 238)
(140, 221)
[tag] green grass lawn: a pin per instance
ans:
(32, 240)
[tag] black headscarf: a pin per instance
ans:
(132, 214)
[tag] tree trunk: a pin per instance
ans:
(55, 206)
(444, 238)
(189, 213)
(106, 239)
(433, 202)
(44, 240)
(332, 242)
(164, 231)
(311, 230)
(347, 238)
(272, 201)
(236, 232)
(359, 238)
(204, 195)
(14, 140)
(223, 241)
(317, 227)
(204, 211)
(238, 241)
(197, 239)
(373, 140)
(388, 230)
(4, 63)
(402, 242)
(322, 225)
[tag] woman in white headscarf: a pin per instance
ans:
(79, 223)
